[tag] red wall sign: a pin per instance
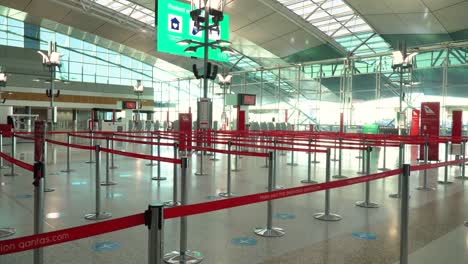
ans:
(415, 122)
(430, 122)
(185, 127)
(457, 126)
(129, 105)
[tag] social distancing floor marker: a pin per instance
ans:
(105, 246)
(284, 216)
(364, 236)
(244, 241)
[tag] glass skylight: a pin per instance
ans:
(337, 20)
(130, 9)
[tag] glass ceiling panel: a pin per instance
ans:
(337, 20)
(130, 9)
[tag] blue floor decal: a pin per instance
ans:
(23, 196)
(284, 216)
(105, 246)
(244, 241)
(364, 236)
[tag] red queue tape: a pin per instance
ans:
(18, 163)
(141, 156)
(71, 145)
(61, 236)
(240, 153)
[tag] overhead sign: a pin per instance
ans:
(175, 24)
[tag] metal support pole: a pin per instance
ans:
(363, 161)
(13, 155)
(175, 197)
(214, 152)
(183, 255)
(269, 230)
(424, 187)
(108, 182)
(68, 154)
(236, 158)
(38, 183)
(151, 162)
(158, 177)
(404, 215)
(309, 165)
(401, 161)
(340, 161)
(2, 166)
(292, 163)
(334, 153)
(275, 167)
(91, 144)
(155, 222)
(384, 167)
(200, 173)
(367, 203)
(446, 181)
(463, 177)
(112, 167)
(327, 216)
(228, 192)
(315, 152)
(98, 215)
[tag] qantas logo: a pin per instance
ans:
(428, 110)
(415, 114)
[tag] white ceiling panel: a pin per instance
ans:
(365, 7)
(435, 5)
(279, 47)
(405, 6)
(113, 32)
(300, 40)
(82, 21)
(42, 9)
(252, 10)
(276, 24)
(256, 34)
(141, 42)
(16, 4)
(421, 23)
(455, 17)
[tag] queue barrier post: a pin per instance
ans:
(13, 155)
(292, 163)
(113, 166)
(309, 169)
(315, 161)
(334, 153)
(154, 219)
(327, 216)
(68, 169)
(228, 192)
(404, 214)
(6, 231)
(151, 162)
(446, 181)
(462, 176)
(158, 177)
(359, 156)
(175, 200)
(340, 161)
(236, 158)
(108, 182)
(275, 167)
(424, 187)
(384, 167)
(183, 255)
(200, 173)
(45, 158)
(363, 160)
(367, 203)
(91, 143)
(214, 158)
(2, 166)
(266, 151)
(269, 230)
(38, 176)
(401, 161)
(98, 215)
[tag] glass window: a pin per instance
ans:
(75, 67)
(76, 44)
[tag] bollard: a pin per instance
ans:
(404, 215)
(367, 203)
(334, 153)
(463, 177)
(401, 161)
(340, 159)
(175, 199)
(13, 155)
(424, 187)
(228, 192)
(154, 219)
(112, 167)
(269, 230)
(384, 167)
(183, 255)
(309, 169)
(98, 215)
(38, 176)
(91, 143)
(446, 181)
(68, 154)
(152, 163)
(2, 166)
(108, 182)
(159, 178)
(327, 216)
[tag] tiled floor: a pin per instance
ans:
(436, 218)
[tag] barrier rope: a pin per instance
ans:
(18, 163)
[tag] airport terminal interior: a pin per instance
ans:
(233, 131)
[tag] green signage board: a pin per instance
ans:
(175, 24)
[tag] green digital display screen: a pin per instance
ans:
(175, 24)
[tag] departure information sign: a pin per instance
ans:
(175, 24)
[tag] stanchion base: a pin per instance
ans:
(226, 194)
(4, 167)
(309, 182)
(265, 166)
(10, 174)
(6, 232)
(235, 170)
(358, 157)
(98, 216)
(190, 257)
(151, 164)
(266, 232)
(327, 217)
(214, 159)
(108, 183)
(90, 162)
(292, 164)
(113, 167)
(365, 204)
(445, 182)
(339, 177)
(200, 174)
(67, 171)
(461, 177)
(335, 160)
(395, 195)
(171, 204)
(383, 169)
(159, 178)
(427, 189)
(283, 154)
(315, 162)
(361, 172)
(49, 189)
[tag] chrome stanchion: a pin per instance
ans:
(112, 167)
(159, 178)
(98, 215)
(424, 187)
(68, 154)
(404, 215)
(315, 161)
(384, 167)
(13, 155)
(367, 203)
(2, 166)
(275, 167)
(108, 182)
(183, 255)
(446, 181)
(363, 161)
(334, 153)
(269, 230)
(340, 161)
(175, 198)
(401, 161)
(152, 163)
(292, 163)
(361, 154)
(45, 158)
(200, 173)
(213, 158)
(154, 220)
(91, 144)
(38, 254)
(327, 216)
(266, 151)
(228, 192)
(463, 177)
(236, 158)
(309, 169)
